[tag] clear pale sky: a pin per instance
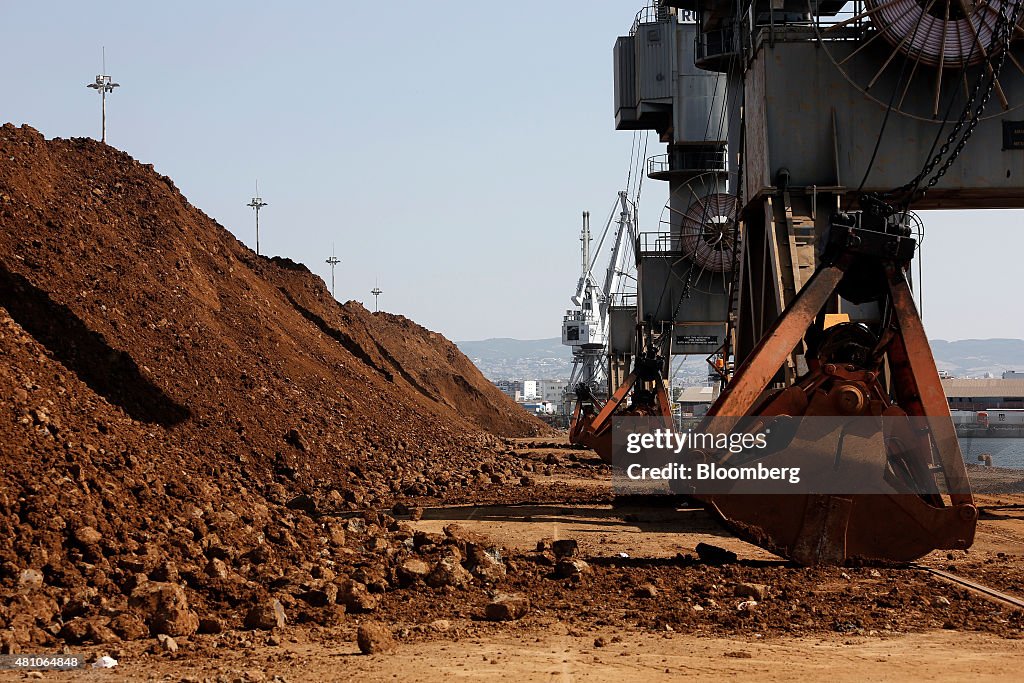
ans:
(446, 149)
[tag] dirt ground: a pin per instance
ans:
(646, 609)
(553, 654)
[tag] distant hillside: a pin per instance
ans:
(504, 358)
(975, 357)
(547, 359)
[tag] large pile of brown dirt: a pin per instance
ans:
(418, 360)
(168, 399)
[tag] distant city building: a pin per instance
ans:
(551, 390)
(528, 388)
(541, 408)
(541, 396)
(507, 387)
(1013, 374)
(520, 390)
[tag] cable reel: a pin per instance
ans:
(920, 57)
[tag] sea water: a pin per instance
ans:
(1004, 452)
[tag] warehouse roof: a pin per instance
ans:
(982, 388)
(697, 395)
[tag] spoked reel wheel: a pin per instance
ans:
(924, 56)
(700, 216)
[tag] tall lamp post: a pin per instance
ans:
(104, 84)
(257, 203)
(333, 261)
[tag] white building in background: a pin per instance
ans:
(520, 390)
(541, 408)
(528, 390)
(551, 390)
(544, 396)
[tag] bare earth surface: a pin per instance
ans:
(551, 654)
(850, 624)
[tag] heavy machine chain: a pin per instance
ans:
(969, 117)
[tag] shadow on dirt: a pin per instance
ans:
(109, 372)
(654, 520)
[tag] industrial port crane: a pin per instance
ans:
(585, 327)
(826, 122)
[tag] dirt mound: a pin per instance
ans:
(170, 401)
(422, 362)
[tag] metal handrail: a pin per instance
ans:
(720, 42)
(680, 160)
(624, 299)
(755, 29)
(576, 314)
(852, 12)
(658, 243)
(651, 14)
(658, 164)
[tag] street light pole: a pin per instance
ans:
(103, 84)
(333, 261)
(257, 203)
